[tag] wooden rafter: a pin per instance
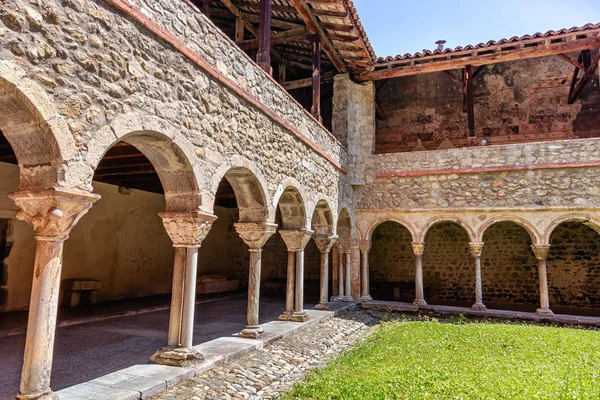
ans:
(285, 36)
(484, 56)
(590, 66)
(315, 28)
(300, 83)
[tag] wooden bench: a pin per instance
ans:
(78, 291)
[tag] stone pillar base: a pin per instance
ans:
(322, 306)
(546, 312)
(479, 307)
(348, 299)
(177, 357)
(300, 316)
(251, 332)
(420, 303)
(365, 298)
(286, 316)
(38, 396)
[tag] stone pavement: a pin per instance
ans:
(272, 370)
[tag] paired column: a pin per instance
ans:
(324, 243)
(476, 248)
(296, 241)
(187, 230)
(418, 248)
(255, 236)
(541, 253)
(344, 247)
(53, 213)
(365, 246)
(340, 271)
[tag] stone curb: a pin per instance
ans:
(517, 315)
(144, 380)
(85, 320)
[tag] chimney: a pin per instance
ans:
(440, 44)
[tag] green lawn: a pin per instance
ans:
(434, 360)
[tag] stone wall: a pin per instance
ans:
(103, 76)
(514, 102)
(562, 173)
(509, 267)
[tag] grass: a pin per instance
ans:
(460, 360)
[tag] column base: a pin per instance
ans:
(177, 357)
(251, 332)
(546, 312)
(348, 299)
(322, 306)
(300, 316)
(479, 307)
(50, 395)
(337, 298)
(365, 298)
(286, 316)
(420, 303)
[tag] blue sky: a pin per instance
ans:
(407, 26)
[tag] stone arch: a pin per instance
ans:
(250, 190)
(406, 224)
(458, 221)
(536, 238)
(345, 223)
(323, 218)
(37, 133)
(290, 197)
(171, 155)
(582, 218)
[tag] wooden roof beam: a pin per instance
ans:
(315, 28)
(282, 37)
(550, 49)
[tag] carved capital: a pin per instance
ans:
(53, 212)
(255, 234)
(296, 240)
(475, 248)
(364, 246)
(345, 245)
(540, 251)
(325, 242)
(187, 229)
(418, 248)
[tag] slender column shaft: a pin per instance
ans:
(254, 288)
(543, 278)
(335, 272)
(341, 256)
(324, 298)
(348, 278)
(263, 57)
(419, 278)
(289, 291)
(174, 335)
(189, 296)
(478, 283)
(41, 324)
(299, 281)
(365, 274)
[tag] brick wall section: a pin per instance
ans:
(574, 266)
(514, 102)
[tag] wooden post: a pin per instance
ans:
(316, 78)
(282, 73)
(206, 9)
(263, 57)
(470, 112)
(239, 29)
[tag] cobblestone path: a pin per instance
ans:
(273, 370)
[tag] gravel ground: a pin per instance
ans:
(273, 370)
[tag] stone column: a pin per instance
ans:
(324, 243)
(296, 241)
(541, 253)
(187, 230)
(290, 286)
(340, 268)
(348, 277)
(476, 248)
(53, 213)
(418, 248)
(365, 246)
(254, 235)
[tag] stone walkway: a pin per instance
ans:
(274, 369)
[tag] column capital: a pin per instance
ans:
(418, 248)
(540, 251)
(255, 234)
(53, 212)
(295, 240)
(475, 248)
(325, 242)
(364, 245)
(345, 245)
(187, 229)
